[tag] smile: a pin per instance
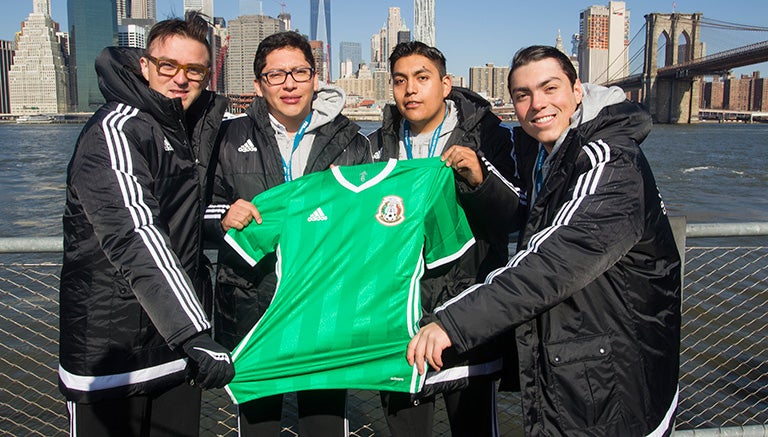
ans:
(543, 119)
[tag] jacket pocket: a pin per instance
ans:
(124, 315)
(582, 381)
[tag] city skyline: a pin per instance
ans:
(489, 34)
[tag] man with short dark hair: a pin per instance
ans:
(134, 275)
(593, 293)
(432, 118)
(293, 127)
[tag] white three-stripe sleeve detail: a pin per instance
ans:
(492, 168)
(144, 226)
(587, 183)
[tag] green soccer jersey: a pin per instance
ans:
(351, 243)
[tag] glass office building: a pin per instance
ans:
(92, 26)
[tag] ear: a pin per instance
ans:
(257, 87)
(578, 91)
(316, 83)
(447, 85)
(144, 63)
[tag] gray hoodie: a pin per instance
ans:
(326, 106)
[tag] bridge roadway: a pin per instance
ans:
(713, 64)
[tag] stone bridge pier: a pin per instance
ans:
(672, 99)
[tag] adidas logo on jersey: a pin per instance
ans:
(248, 146)
(167, 145)
(317, 216)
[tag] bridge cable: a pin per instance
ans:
(626, 49)
(710, 22)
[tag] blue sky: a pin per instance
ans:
(469, 32)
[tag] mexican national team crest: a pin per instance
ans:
(390, 211)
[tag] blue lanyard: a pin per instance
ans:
(432, 142)
(288, 168)
(539, 164)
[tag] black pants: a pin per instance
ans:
(471, 412)
(175, 412)
(321, 413)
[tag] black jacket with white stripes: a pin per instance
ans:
(249, 162)
(490, 209)
(134, 274)
(593, 292)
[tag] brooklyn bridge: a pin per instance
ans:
(673, 64)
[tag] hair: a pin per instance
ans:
(194, 26)
(530, 54)
(418, 48)
(277, 41)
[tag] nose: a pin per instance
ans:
(181, 77)
(290, 82)
(410, 87)
(538, 101)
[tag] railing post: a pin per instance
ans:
(678, 224)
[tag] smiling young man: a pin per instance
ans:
(134, 274)
(432, 118)
(293, 127)
(593, 293)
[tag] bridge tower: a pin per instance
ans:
(673, 100)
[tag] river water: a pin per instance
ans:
(711, 173)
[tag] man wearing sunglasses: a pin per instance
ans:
(293, 127)
(134, 277)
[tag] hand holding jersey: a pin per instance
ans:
(466, 163)
(209, 365)
(240, 213)
(427, 346)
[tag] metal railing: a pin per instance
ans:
(724, 351)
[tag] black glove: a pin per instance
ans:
(209, 365)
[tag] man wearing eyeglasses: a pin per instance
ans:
(134, 278)
(293, 127)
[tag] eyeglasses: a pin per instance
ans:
(278, 77)
(193, 72)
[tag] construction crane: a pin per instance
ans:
(284, 16)
(282, 6)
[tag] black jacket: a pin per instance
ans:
(134, 274)
(489, 207)
(243, 292)
(594, 291)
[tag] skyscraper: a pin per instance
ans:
(219, 46)
(245, 34)
(490, 82)
(144, 9)
(424, 22)
(379, 49)
(92, 26)
(314, 22)
(403, 35)
(204, 6)
(38, 79)
(318, 52)
(394, 22)
(350, 51)
(123, 10)
(132, 35)
(134, 19)
(6, 58)
(604, 42)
